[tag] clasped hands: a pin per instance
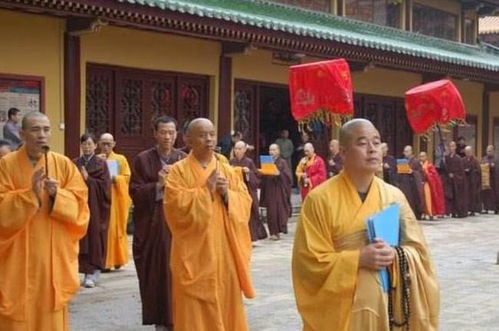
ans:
(40, 182)
(163, 174)
(377, 255)
(217, 183)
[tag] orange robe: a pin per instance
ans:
(332, 292)
(211, 248)
(39, 246)
(117, 238)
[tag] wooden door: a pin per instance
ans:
(124, 102)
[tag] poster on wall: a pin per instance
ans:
(22, 94)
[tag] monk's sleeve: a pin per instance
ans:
(142, 191)
(17, 205)
(300, 170)
(70, 204)
(319, 173)
(186, 206)
(425, 300)
(324, 279)
(239, 200)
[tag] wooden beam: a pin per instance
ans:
(485, 118)
(72, 95)
(224, 96)
(232, 48)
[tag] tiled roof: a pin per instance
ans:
(488, 25)
(306, 23)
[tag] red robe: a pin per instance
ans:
(437, 198)
(315, 170)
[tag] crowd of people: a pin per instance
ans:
(195, 217)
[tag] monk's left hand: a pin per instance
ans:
(51, 186)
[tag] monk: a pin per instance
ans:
(389, 166)
(152, 237)
(334, 163)
(473, 181)
(434, 198)
(207, 208)
(43, 203)
(93, 247)
(454, 183)
(490, 191)
(4, 148)
(311, 170)
(412, 183)
(247, 171)
(276, 195)
(335, 269)
(117, 239)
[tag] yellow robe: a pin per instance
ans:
(301, 168)
(332, 292)
(39, 246)
(211, 248)
(117, 239)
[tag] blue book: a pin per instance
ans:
(113, 167)
(385, 225)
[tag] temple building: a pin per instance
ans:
(113, 65)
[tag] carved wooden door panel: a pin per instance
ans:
(245, 112)
(124, 102)
(99, 100)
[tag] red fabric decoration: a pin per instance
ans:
(321, 91)
(435, 103)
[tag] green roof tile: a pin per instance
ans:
(302, 22)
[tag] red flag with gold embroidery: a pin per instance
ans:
(435, 103)
(321, 91)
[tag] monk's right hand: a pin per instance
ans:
(37, 182)
(376, 256)
(211, 182)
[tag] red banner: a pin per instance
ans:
(435, 103)
(320, 87)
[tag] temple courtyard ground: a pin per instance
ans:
(464, 251)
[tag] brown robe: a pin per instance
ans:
(152, 238)
(390, 174)
(257, 229)
(93, 246)
(412, 187)
(333, 170)
(473, 183)
(490, 196)
(276, 197)
(455, 187)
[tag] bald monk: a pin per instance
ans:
(490, 192)
(4, 148)
(311, 170)
(117, 240)
(389, 166)
(412, 183)
(152, 237)
(433, 191)
(335, 269)
(473, 183)
(93, 247)
(44, 215)
(276, 195)
(455, 183)
(246, 169)
(334, 162)
(207, 208)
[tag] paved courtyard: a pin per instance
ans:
(465, 252)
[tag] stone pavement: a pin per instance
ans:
(464, 251)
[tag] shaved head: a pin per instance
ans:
(408, 151)
(106, 143)
(197, 123)
(201, 137)
(240, 148)
(274, 150)
(468, 151)
(107, 136)
(348, 129)
(34, 114)
(423, 157)
(309, 149)
(360, 147)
